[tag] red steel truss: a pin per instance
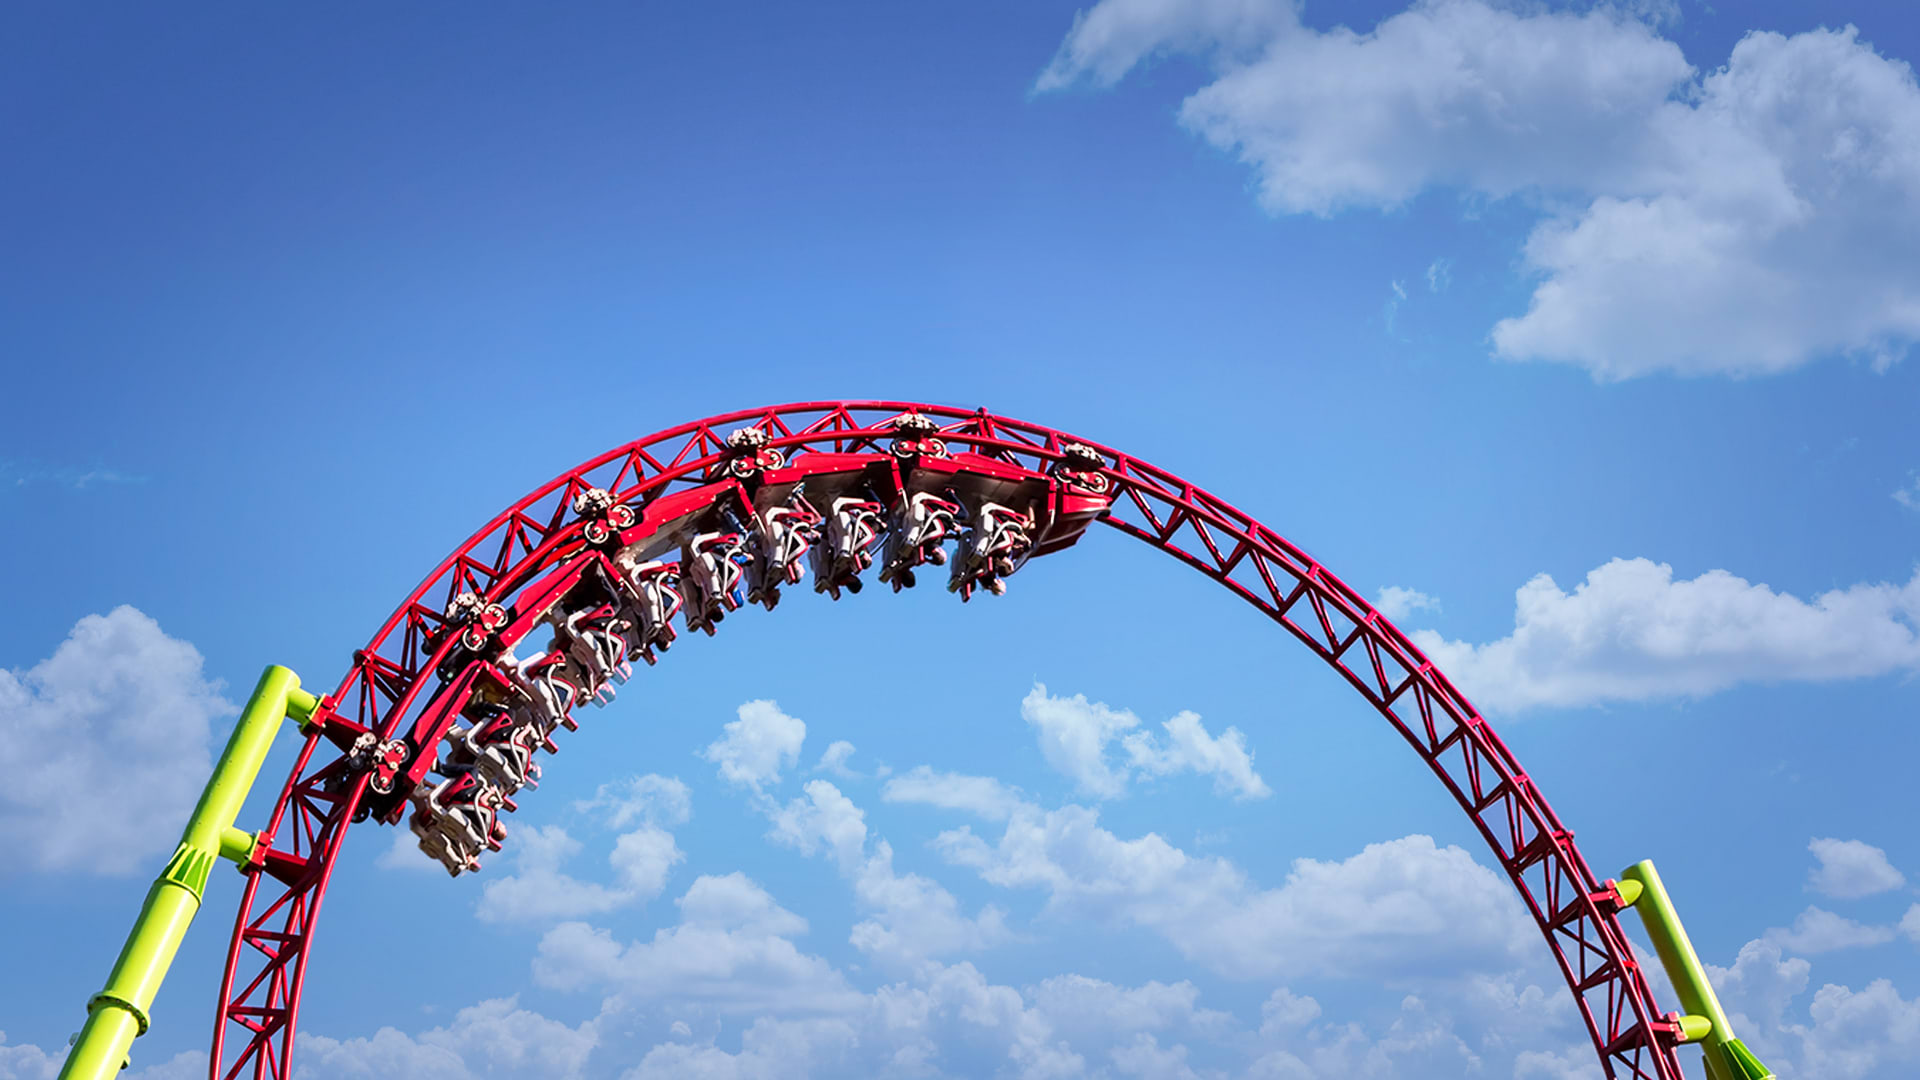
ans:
(397, 673)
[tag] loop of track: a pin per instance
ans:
(391, 677)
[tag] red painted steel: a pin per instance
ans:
(394, 675)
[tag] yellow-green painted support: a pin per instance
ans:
(118, 1014)
(1705, 1023)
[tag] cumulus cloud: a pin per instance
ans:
(1283, 1010)
(652, 799)
(1856, 1033)
(1081, 1008)
(1757, 991)
(834, 760)
(1397, 603)
(118, 705)
(1851, 869)
(1394, 909)
(953, 1021)
(757, 746)
(943, 1021)
(1817, 930)
(1743, 221)
(538, 890)
(492, 1038)
(910, 917)
(1075, 737)
(26, 1062)
(1841, 1033)
(185, 1065)
(822, 819)
(1630, 632)
(732, 949)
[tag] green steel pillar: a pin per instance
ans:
(1727, 1057)
(117, 1014)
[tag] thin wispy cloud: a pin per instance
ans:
(1909, 496)
(19, 474)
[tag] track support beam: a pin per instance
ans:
(118, 1014)
(1706, 1022)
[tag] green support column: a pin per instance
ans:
(118, 1014)
(1727, 1057)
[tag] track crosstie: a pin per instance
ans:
(369, 749)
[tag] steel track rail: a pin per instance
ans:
(392, 677)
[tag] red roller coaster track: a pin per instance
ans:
(366, 749)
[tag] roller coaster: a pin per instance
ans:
(439, 724)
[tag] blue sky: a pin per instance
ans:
(1576, 335)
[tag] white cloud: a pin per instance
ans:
(653, 799)
(1757, 991)
(1910, 924)
(943, 1021)
(23, 473)
(1394, 909)
(1439, 275)
(912, 917)
(1851, 869)
(1390, 311)
(26, 1062)
(403, 853)
(1083, 1009)
(1075, 734)
(1575, 1063)
(185, 1065)
(1190, 749)
(119, 704)
(732, 950)
(1420, 1042)
(953, 1021)
(1283, 1011)
(538, 890)
(980, 795)
(834, 760)
(495, 1037)
(1744, 221)
(1817, 930)
(1630, 632)
(1455, 93)
(642, 859)
(1145, 1058)
(730, 958)
(1844, 1034)
(1114, 36)
(1855, 1033)
(1764, 231)
(1909, 496)
(769, 1050)
(1398, 603)
(758, 745)
(822, 818)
